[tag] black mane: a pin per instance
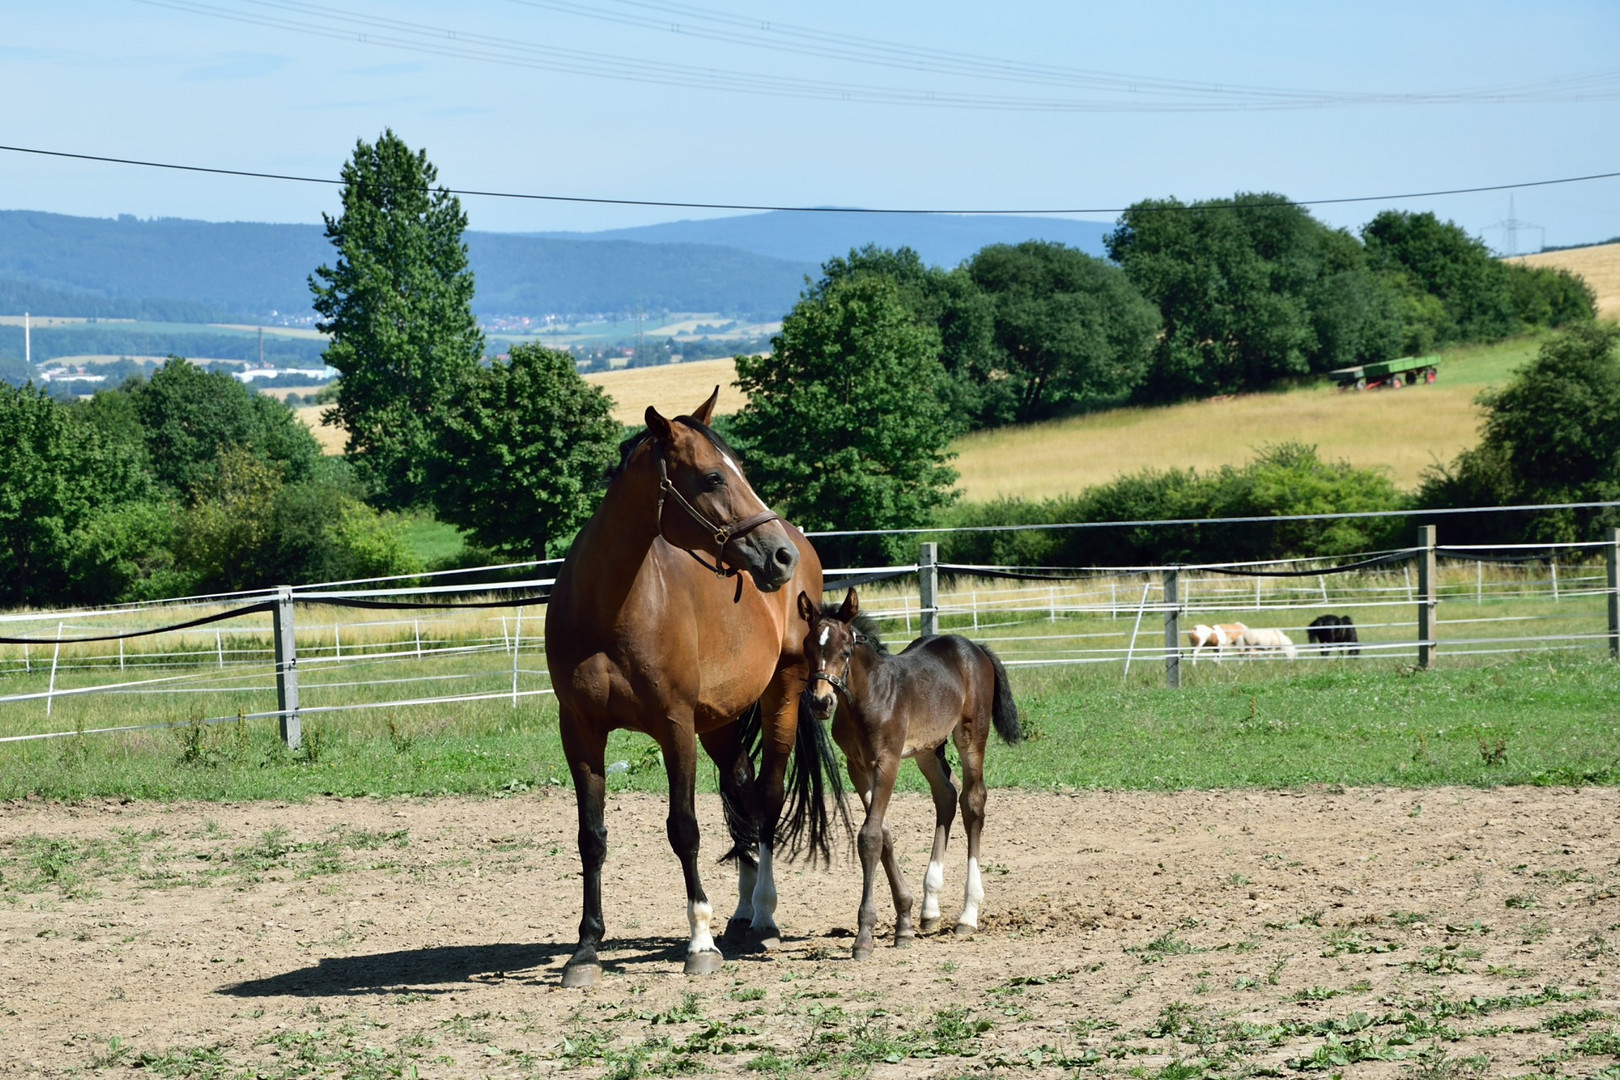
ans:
(864, 624)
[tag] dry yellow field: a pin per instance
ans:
(330, 438)
(672, 388)
(1599, 265)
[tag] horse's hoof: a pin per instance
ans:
(737, 932)
(581, 976)
(903, 936)
(929, 925)
(704, 963)
(861, 952)
(766, 940)
(966, 929)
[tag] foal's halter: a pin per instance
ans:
(838, 682)
(721, 534)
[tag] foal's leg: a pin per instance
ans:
(584, 745)
(970, 748)
(875, 790)
(680, 764)
(937, 771)
(741, 806)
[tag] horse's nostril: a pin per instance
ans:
(787, 555)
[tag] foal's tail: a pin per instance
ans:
(1004, 710)
(806, 822)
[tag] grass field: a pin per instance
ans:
(1599, 265)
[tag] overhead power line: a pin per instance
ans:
(807, 209)
(683, 205)
(1100, 92)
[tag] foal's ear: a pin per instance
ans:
(658, 425)
(852, 604)
(704, 413)
(807, 609)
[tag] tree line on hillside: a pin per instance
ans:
(188, 482)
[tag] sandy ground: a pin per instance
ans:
(1439, 933)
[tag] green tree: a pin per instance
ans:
(1549, 435)
(1071, 331)
(844, 423)
(1438, 259)
(58, 474)
(522, 462)
(398, 306)
(1244, 287)
(188, 416)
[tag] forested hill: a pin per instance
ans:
(183, 270)
(941, 239)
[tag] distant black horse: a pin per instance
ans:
(1334, 631)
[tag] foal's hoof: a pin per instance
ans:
(861, 952)
(581, 976)
(966, 929)
(903, 937)
(929, 925)
(704, 963)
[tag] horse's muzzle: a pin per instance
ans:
(769, 557)
(822, 706)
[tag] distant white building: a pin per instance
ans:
(247, 375)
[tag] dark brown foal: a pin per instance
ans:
(886, 708)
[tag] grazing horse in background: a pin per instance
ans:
(1265, 640)
(1330, 631)
(673, 615)
(1219, 637)
(886, 708)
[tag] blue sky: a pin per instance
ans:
(833, 103)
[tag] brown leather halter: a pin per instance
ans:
(721, 534)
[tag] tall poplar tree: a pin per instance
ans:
(398, 305)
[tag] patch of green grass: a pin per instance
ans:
(433, 542)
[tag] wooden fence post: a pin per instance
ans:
(287, 669)
(1611, 555)
(1172, 631)
(928, 587)
(1426, 597)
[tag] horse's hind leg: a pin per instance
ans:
(738, 798)
(971, 751)
(584, 747)
(680, 764)
(937, 770)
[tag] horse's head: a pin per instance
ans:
(707, 505)
(828, 646)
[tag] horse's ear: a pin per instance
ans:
(807, 608)
(658, 425)
(704, 413)
(852, 604)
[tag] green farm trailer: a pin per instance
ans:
(1391, 373)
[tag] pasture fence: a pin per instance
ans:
(298, 652)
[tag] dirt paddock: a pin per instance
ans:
(1435, 933)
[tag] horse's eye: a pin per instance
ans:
(713, 480)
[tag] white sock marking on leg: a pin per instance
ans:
(699, 915)
(973, 895)
(933, 882)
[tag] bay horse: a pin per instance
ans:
(885, 708)
(672, 615)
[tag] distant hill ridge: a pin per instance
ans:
(751, 266)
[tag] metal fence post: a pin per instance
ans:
(1611, 556)
(1172, 631)
(928, 587)
(287, 669)
(1426, 596)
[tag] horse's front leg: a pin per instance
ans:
(680, 764)
(779, 724)
(741, 804)
(584, 744)
(876, 785)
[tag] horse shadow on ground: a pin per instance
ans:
(445, 969)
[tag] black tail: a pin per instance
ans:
(806, 821)
(1005, 709)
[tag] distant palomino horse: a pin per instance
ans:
(673, 615)
(1219, 636)
(1257, 640)
(885, 708)
(1328, 632)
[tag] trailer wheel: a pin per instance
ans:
(1397, 382)
(1429, 375)
(1361, 384)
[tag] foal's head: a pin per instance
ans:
(828, 646)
